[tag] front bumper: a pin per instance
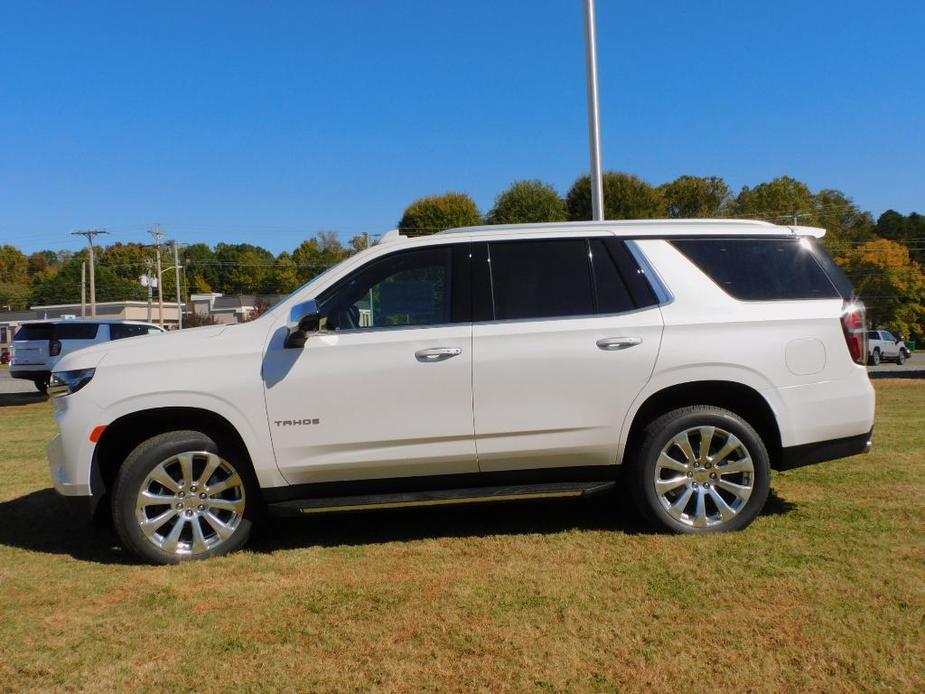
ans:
(820, 451)
(78, 493)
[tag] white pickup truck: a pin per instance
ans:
(882, 345)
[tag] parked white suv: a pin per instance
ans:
(39, 345)
(882, 345)
(482, 364)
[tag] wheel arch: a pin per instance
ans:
(742, 399)
(125, 433)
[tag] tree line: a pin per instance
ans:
(883, 257)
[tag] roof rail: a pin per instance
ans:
(611, 224)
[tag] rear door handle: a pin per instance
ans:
(611, 344)
(437, 354)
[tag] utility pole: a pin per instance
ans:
(158, 234)
(594, 115)
(149, 283)
(91, 234)
(176, 267)
(83, 289)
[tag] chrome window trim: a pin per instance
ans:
(662, 293)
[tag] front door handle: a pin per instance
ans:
(611, 344)
(437, 354)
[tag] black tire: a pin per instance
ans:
(875, 358)
(134, 473)
(41, 386)
(659, 433)
(901, 358)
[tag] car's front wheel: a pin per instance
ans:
(901, 358)
(179, 497)
(701, 469)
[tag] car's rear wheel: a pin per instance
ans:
(875, 358)
(701, 469)
(178, 497)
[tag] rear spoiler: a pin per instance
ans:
(815, 232)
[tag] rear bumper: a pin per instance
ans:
(30, 375)
(810, 453)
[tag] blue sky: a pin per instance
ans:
(265, 122)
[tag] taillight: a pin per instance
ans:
(54, 348)
(853, 325)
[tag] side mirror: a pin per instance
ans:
(304, 319)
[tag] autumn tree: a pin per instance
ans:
(891, 284)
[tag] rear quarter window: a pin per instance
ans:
(119, 331)
(760, 269)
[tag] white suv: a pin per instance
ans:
(39, 345)
(882, 345)
(483, 364)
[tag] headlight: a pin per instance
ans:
(64, 383)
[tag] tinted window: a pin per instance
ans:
(34, 331)
(541, 279)
(612, 293)
(75, 331)
(873, 335)
(887, 335)
(760, 269)
(404, 289)
(118, 331)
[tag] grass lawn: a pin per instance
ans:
(825, 591)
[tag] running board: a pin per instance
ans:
(438, 497)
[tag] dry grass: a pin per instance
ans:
(826, 591)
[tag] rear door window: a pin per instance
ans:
(752, 269)
(75, 331)
(541, 279)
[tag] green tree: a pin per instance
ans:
(285, 274)
(244, 268)
(775, 201)
(625, 197)
(64, 286)
(909, 230)
(845, 223)
(689, 197)
(891, 284)
(439, 212)
(202, 272)
(528, 202)
(317, 254)
(126, 260)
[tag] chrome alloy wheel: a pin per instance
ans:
(190, 503)
(704, 476)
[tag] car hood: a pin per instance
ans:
(144, 348)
